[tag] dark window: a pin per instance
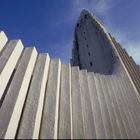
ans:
(87, 45)
(81, 20)
(85, 16)
(78, 57)
(77, 46)
(80, 65)
(91, 64)
(77, 24)
(85, 38)
(89, 53)
(109, 71)
(84, 32)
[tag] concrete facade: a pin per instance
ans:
(42, 98)
(92, 50)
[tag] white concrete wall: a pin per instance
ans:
(53, 100)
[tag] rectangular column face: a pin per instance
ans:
(103, 105)
(31, 117)
(89, 123)
(99, 124)
(107, 93)
(8, 61)
(65, 115)
(3, 40)
(49, 127)
(77, 114)
(12, 106)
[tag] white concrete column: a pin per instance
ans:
(31, 117)
(3, 40)
(12, 106)
(77, 112)
(65, 111)
(87, 107)
(8, 61)
(49, 127)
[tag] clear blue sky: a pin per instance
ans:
(49, 24)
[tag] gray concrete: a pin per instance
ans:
(87, 107)
(77, 111)
(49, 127)
(3, 40)
(132, 101)
(12, 106)
(107, 99)
(122, 108)
(111, 108)
(39, 98)
(132, 130)
(65, 110)
(90, 33)
(115, 109)
(99, 125)
(8, 61)
(122, 124)
(31, 117)
(103, 106)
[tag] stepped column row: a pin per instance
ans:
(130, 65)
(42, 98)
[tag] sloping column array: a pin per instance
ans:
(42, 98)
(129, 63)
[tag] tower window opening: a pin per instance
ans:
(85, 16)
(77, 24)
(85, 38)
(87, 45)
(91, 64)
(79, 58)
(89, 53)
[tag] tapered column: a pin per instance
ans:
(49, 127)
(3, 40)
(8, 61)
(31, 117)
(12, 106)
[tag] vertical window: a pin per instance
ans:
(91, 64)
(79, 58)
(77, 24)
(89, 53)
(77, 45)
(85, 16)
(87, 45)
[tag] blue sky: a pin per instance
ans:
(49, 24)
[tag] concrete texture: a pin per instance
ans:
(77, 112)
(110, 105)
(8, 61)
(99, 126)
(103, 107)
(65, 112)
(105, 99)
(12, 106)
(31, 117)
(3, 40)
(42, 98)
(87, 107)
(49, 127)
(91, 47)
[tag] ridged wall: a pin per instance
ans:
(43, 98)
